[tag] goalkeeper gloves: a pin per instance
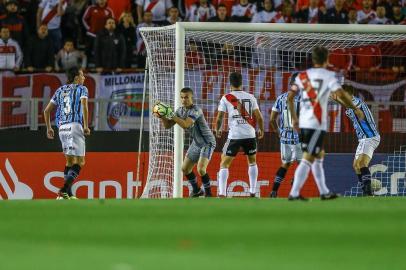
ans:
(169, 113)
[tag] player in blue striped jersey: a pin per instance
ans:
(288, 136)
(368, 140)
(70, 101)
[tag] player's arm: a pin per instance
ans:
(183, 123)
(273, 121)
(167, 122)
(85, 109)
(47, 117)
(260, 121)
(345, 99)
(219, 123)
(291, 106)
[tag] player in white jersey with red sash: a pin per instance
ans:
(316, 85)
(243, 115)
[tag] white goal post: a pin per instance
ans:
(175, 36)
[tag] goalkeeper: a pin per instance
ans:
(191, 117)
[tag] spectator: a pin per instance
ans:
(367, 13)
(311, 14)
(109, 48)
(221, 15)
(227, 3)
(380, 16)
(10, 52)
(352, 16)
(71, 25)
(194, 60)
(278, 4)
(201, 12)
(173, 16)
(337, 14)
(28, 10)
(268, 14)
(243, 11)
(141, 53)
(39, 51)
(397, 16)
(95, 17)
(304, 4)
(68, 57)
(50, 13)
(15, 23)
(355, 4)
(119, 7)
(288, 12)
(126, 27)
(158, 9)
(388, 4)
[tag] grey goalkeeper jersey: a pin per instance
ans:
(200, 130)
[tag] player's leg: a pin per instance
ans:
(320, 178)
(192, 156)
(312, 141)
(64, 190)
(286, 157)
(250, 149)
(77, 163)
(204, 159)
(230, 150)
(363, 156)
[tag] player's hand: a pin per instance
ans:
(260, 134)
(50, 133)
(86, 131)
(359, 114)
(218, 133)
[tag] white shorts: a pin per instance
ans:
(367, 146)
(291, 152)
(72, 139)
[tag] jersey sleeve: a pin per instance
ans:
(85, 93)
(178, 112)
(277, 106)
(333, 84)
(254, 104)
(222, 105)
(54, 98)
(195, 114)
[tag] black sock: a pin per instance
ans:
(280, 175)
(359, 177)
(206, 183)
(191, 177)
(65, 174)
(365, 175)
(73, 173)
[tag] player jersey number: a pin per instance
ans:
(66, 105)
(318, 85)
(244, 108)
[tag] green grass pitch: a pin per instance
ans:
(357, 233)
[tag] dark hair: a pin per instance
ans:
(72, 73)
(186, 90)
(236, 79)
(349, 89)
(293, 78)
(221, 5)
(319, 55)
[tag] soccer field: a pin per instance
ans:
(357, 233)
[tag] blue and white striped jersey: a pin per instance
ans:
(67, 99)
(287, 134)
(365, 128)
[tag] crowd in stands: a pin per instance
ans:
(103, 35)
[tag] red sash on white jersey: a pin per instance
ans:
(241, 109)
(151, 5)
(312, 94)
(52, 13)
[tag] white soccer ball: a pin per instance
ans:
(160, 110)
(376, 185)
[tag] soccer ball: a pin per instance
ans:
(160, 110)
(376, 185)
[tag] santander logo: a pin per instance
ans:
(13, 188)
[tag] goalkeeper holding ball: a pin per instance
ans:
(191, 117)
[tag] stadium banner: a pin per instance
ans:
(124, 115)
(113, 175)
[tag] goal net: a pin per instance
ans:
(369, 59)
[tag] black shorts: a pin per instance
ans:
(232, 147)
(312, 140)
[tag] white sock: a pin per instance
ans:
(319, 177)
(222, 181)
(301, 174)
(253, 176)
